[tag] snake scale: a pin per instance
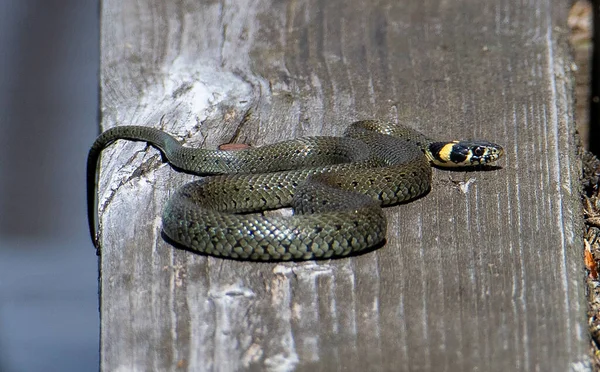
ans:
(336, 186)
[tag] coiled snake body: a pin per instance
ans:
(336, 186)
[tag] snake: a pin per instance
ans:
(336, 186)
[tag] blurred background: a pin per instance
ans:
(49, 63)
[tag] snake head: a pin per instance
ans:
(463, 153)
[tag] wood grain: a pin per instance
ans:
(484, 273)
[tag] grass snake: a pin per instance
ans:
(336, 186)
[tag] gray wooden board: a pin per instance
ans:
(484, 273)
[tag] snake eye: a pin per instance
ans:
(478, 151)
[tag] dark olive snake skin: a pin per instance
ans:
(336, 186)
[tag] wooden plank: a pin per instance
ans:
(484, 273)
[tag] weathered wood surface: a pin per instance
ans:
(484, 273)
